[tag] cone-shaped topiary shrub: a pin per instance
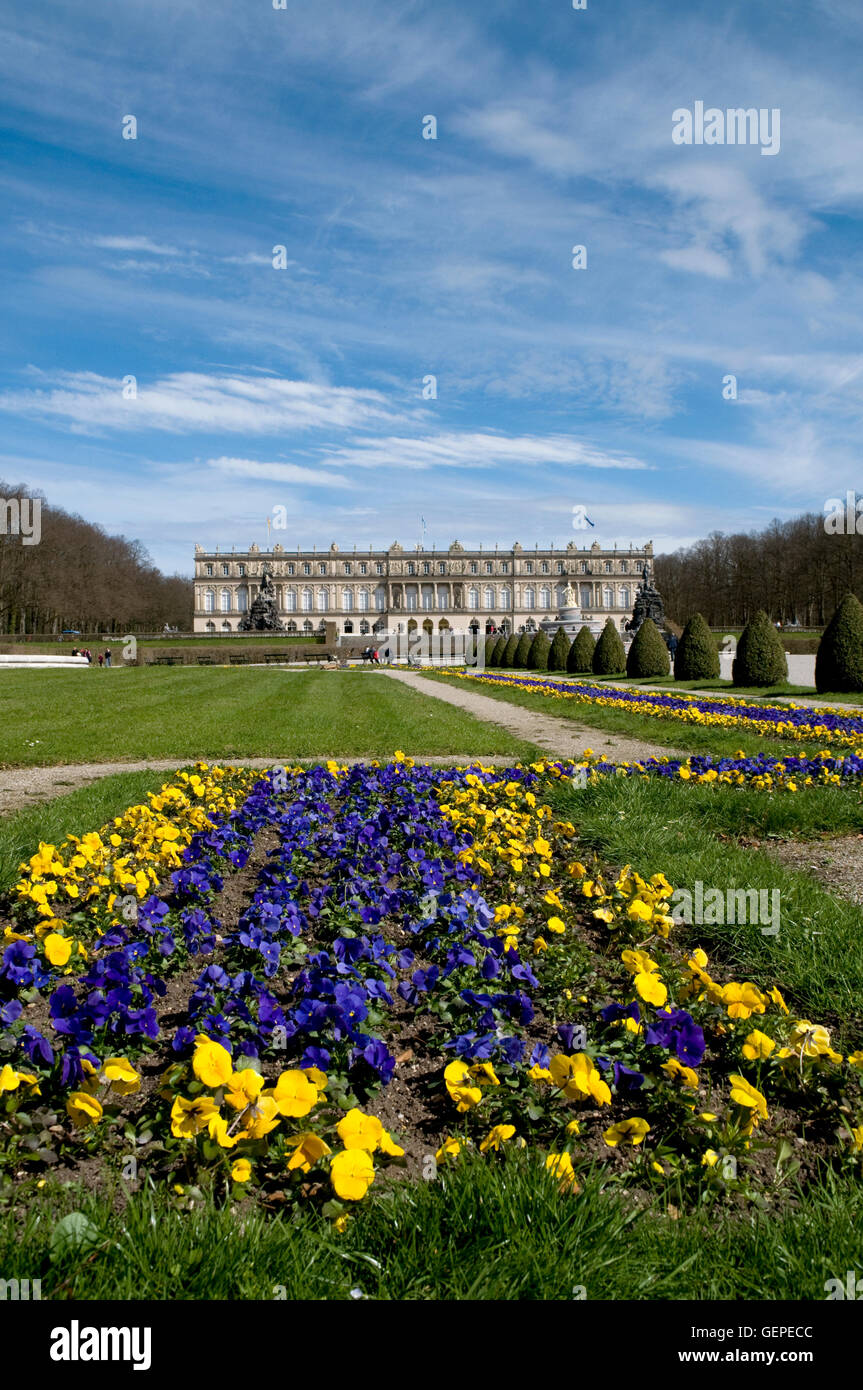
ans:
(839, 663)
(559, 651)
(648, 654)
(494, 650)
(537, 657)
(609, 658)
(697, 655)
(523, 651)
(509, 658)
(581, 652)
(760, 658)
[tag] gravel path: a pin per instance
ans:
(558, 735)
(25, 786)
(836, 863)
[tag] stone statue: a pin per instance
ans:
(570, 597)
(263, 615)
(648, 604)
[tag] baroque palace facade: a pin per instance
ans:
(398, 590)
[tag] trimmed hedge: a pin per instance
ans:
(839, 663)
(509, 652)
(609, 657)
(760, 658)
(540, 648)
(697, 655)
(557, 657)
(522, 653)
(581, 652)
(648, 654)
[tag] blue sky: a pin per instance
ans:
(301, 387)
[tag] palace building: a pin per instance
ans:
(399, 590)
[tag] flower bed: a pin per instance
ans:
(791, 721)
(393, 964)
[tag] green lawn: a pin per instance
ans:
(55, 716)
(494, 1228)
(664, 732)
(817, 956)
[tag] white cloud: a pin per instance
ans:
(277, 472)
(188, 402)
(478, 450)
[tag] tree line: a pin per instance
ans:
(71, 573)
(795, 570)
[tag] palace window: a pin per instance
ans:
(529, 597)
(504, 567)
(545, 597)
(426, 567)
(348, 567)
(307, 600)
(560, 567)
(226, 626)
(242, 600)
(290, 569)
(292, 627)
(225, 600)
(608, 597)
(307, 626)
(583, 567)
(322, 569)
(348, 600)
(488, 597)
(226, 569)
(412, 599)
(307, 569)
(489, 567)
(380, 598)
(241, 569)
(209, 601)
(474, 567)
(442, 598)
(624, 597)
(544, 567)
(608, 567)
(624, 567)
(441, 566)
(364, 627)
(210, 570)
(504, 598)
(473, 597)
(528, 566)
(428, 599)
(412, 569)
(364, 569)
(363, 597)
(211, 627)
(379, 568)
(349, 627)
(323, 601)
(586, 596)
(290, 601)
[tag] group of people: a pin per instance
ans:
(371, 654)
(103, 658)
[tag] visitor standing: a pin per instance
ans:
(108, 657)
(101, 659)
